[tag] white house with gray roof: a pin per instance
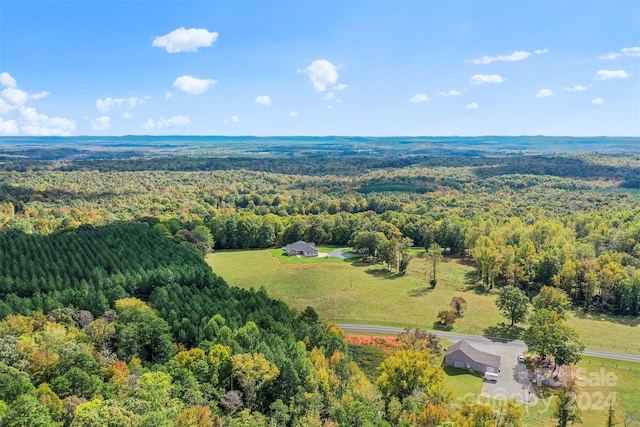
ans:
(301, 248)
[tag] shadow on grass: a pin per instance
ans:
(419, 292)
(454, 372)
(437, 326)
(600, 317)
(383, 272)
(471, 283)
(503, 331)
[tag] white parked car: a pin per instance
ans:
(521, 358)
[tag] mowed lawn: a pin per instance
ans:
(354, 292)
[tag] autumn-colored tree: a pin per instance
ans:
(447, 318)
(195, 416)
(253, 371)
(510, 414)
(118, 373)
(409, 370)
(459, 305)
(475, 414)
(433, 415)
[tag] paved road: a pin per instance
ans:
(480, 340)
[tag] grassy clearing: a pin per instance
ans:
(350, 292)
(622, 388)
(608, 333)
(355, 292)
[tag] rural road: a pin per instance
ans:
(453, 336)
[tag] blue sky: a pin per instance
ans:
(320, 68)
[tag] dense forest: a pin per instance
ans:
(569, 221)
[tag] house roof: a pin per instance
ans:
(301, 246)
(474, 354)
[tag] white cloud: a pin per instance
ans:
(541, 51)
(101, 123)
(235, 119)
(472, 106)
(193, 85)
(39, 95)
(178, 121)
(14, 96)
(419, 97)
(610, 56)
(612, 74)
(452, 92)
(329, 107)
(328, 96)
(134, 100)
(631, 51)
(168, 95)
(576, 88)
(478, 79)
(338, 101)
(29, 121)
(339, 86)
(322, 73)
(183, 40)
(149, 125)
(627, 51)
(264, 100)
(127, 116)
(597, 101)
(544, 93)
(167, 124)
(8, 127)
(293, 114)
(104, 105)
(5, 107)
(34, 124)
(7, 80)
(518, 55)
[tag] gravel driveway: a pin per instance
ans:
(340, 253)
(513, 379)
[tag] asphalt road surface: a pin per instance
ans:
(480, 340)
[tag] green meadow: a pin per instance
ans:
(356, 292)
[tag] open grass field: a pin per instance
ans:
(350, 292)
(354, 292)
